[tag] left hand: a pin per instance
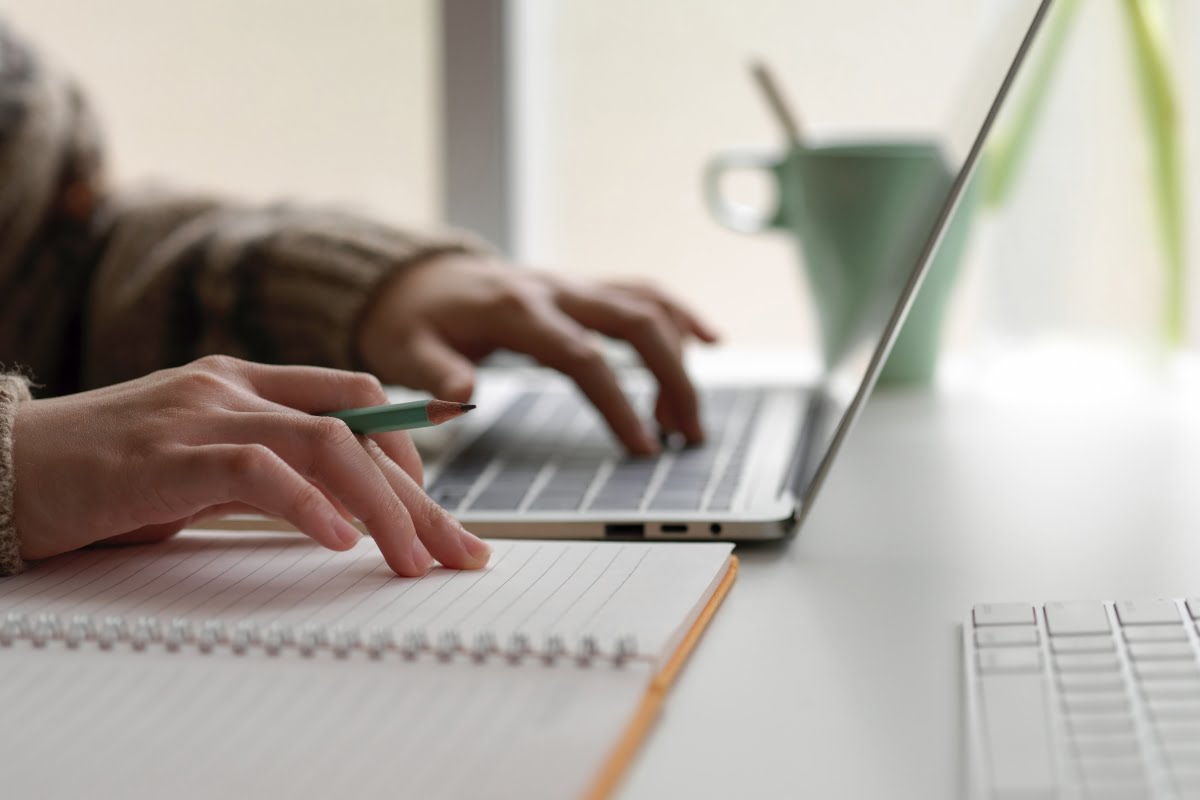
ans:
(429, 323)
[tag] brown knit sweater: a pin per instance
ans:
(98, 287)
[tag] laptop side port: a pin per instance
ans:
(673, 527)
(629, 530)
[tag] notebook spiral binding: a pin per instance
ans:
(308, 640)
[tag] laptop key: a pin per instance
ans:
(555, 503)
(615, 503)
(497, 501)
(677, 501)
(449, 498)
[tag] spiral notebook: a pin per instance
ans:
(256, 664)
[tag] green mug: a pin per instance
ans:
(860, 214)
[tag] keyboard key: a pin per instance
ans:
(1147, 612)
(1147, 651)
(1086, 662)
(609, 502)
(1106, 745)
(1006, 636)
(1109, 787)
(1097, 724)
(1155, 633)
(1082, 644)
(1187, 780)
(1016, 735)
(1174, 708)
(1113, 769)
(1093, 702)
(1178, 730)
(668, 501)
(1181, 751)
(1003, 614)
(1173, 689)
(448, 498)
(1158, 670)
(555, 503)
(1091, 681)
(1074, 619)
(1011, 659)
(497, 500)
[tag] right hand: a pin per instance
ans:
(143, 459)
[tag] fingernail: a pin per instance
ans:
(420, 556)
(346, 532)
(477, 548)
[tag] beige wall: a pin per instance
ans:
(263, 98)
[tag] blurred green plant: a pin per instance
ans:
(1146, 28)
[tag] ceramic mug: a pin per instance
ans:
(860, 214)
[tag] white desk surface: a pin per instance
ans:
(833, 669)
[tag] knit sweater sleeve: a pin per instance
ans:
(181, 277)
(13, 390)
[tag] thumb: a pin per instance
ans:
(425, 361)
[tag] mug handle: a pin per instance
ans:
(740, 217)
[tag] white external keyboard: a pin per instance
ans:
(1082, 700)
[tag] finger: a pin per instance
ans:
(543, 331)
(644, 325)
(442, 535)
(424, 360)
(662, 413)
(684, 317)
(324, 451)
(314, 390)
(254, 476)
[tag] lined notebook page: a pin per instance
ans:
(650, 591)
(153, 724)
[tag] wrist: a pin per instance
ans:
(393, 298)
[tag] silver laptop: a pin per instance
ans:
(536, 460)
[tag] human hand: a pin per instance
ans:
(141, 460)
(431, 321)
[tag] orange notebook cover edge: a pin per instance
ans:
(622, 756)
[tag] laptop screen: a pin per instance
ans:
(889, 232)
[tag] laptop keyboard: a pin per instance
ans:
(1086, 699)
(551, 452)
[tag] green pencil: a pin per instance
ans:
(400, 416)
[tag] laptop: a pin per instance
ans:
(534, 460)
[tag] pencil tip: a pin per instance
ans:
(465, 407)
